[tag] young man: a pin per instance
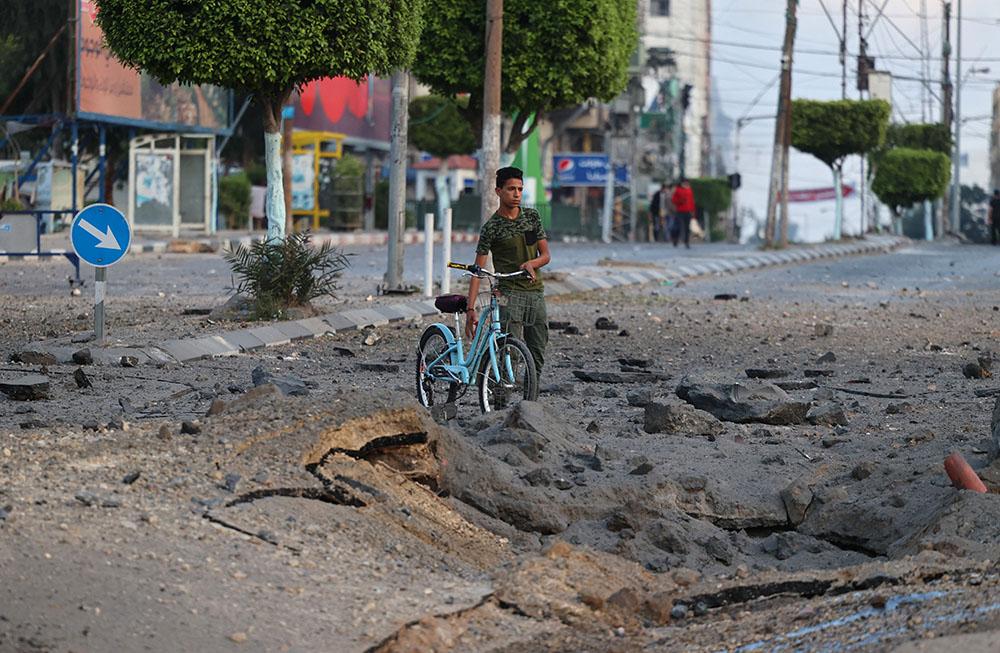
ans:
(518, 242)
(683, 200)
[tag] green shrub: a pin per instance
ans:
(11, 204)
(234, 199)
(257, 174)
(277, 275)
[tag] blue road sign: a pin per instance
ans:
(100, 235)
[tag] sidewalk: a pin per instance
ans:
(230, 343)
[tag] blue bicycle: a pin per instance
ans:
(500, 365)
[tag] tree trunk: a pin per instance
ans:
(286, 171)
(274, 205)
(838, 213)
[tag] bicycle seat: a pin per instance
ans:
(452, 303)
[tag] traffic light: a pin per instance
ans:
(686, 96)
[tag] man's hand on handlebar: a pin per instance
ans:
(529, 269)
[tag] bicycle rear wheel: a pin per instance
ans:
(430, 390)
(517, 376)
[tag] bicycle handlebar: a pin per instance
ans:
(477, 271)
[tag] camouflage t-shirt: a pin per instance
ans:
(513, 242)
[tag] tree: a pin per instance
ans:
(906, 176)
(556, 54)
(25, 32)
(833, 130)
(921, 136)
(437, 127)
(262, 47)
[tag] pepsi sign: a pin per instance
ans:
(585, 170)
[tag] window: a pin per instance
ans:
(659, 7)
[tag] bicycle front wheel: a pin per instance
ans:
(513, 380)
(429, 390)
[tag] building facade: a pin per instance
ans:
(682, 28)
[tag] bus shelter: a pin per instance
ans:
(310, 149)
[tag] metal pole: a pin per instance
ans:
(843, 54)
(74, 159)
(609, 188)
(397, 179)
(942, 216)
(102, 162)
(633, 176)
(428, 254)
(446, 252)
(956, 187)
(490, 159)
(100, 283)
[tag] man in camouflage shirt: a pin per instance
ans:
(518, 241)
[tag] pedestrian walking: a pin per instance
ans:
(659, 210)
(683, 201)
(994, 216)
(517, 240)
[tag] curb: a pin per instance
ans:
(232, 343)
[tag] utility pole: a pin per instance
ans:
(490, 159)
(778, 188)
(397, 178)
(863, 52)
(843, 53)
(956, 188)
(946, 113)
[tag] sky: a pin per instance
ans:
(746, 51)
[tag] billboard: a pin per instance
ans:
(337, 104)
(585, 170)
(108, 91)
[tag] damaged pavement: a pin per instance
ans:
(725, 475)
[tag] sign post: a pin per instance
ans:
(101, 236)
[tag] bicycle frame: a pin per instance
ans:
(462, 367)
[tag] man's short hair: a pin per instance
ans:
(506, 174)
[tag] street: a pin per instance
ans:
(655, 497)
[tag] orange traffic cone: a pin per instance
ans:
(961, 474)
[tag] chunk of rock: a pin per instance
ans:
(639, 398)
(81, 378)
(977, 370)
(768, 373)
(128, 361)
(30, 387)
(605, 324)
(828, 357)
(797, 496)
(288, 385)
(249, 399)
(29, 357)
(827, 414)
(664, 416)
(763, 403)
(83, 357)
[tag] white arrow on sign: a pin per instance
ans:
(104, 240)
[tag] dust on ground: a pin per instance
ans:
(611, 514)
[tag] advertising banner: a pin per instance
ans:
(585, 170)
(109, 91)
(303, 193)
(337, 104)
(818, 194)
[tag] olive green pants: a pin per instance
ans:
(524, 317)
